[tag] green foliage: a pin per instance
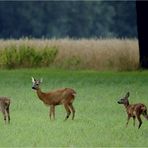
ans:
(48, 56)
(73, 62)
(106, 54)
(26, 56)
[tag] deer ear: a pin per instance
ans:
(33, 80)
(127, 95)
(41, 80)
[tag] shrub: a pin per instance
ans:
(26, 57)
(96, 54)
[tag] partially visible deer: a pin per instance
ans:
(4, 108)
(134, 110)
(61, 96)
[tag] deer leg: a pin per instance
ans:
(128, 118)
(67, 110)
(140, 121)
(53, 111)
(73, 110)
(134, 120)
(50, 112)
(8, 114)
(4, 114)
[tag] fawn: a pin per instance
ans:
(134, 110)
(4, 108)
(64, 96)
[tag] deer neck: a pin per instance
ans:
(126, 105)
(40, 94)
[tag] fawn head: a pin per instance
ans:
(124, 100)
(36, 83)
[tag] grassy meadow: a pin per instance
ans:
(99, 120)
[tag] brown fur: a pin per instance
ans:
(134, 110)
(4, 108)
(61, 96)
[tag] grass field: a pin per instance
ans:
(99, 120)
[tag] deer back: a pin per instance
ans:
(59, 96)
(133, 109)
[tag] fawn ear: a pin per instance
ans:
(33, 80)
(127, 94)
(41, 80)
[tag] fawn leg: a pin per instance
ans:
(140, 121)
(134, 120)
(127, 120)
(73, 110)
(4, 114)
(8, 114)
(67, 110)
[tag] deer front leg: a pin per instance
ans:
(128, 118)
(52, 112)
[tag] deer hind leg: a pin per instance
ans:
(134, 120)
(8, 114)
(4, 115)
(140, 121)
(67, 110)
(73, 110)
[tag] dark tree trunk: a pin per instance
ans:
(142, 24)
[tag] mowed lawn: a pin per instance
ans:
(99, 120)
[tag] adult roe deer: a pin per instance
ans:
(134, 110)
(61, 96)
(4, 108)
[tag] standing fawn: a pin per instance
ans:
(61, 96)
(4, 108)
(134, 110)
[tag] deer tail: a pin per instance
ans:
(144, 112)
(74, 93)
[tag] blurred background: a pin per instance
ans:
(73, 19)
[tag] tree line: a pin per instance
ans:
(73, 19)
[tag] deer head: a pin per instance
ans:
(124, 100)
(36, 83)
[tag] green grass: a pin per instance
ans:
(99, 120)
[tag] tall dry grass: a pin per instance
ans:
(98, 54)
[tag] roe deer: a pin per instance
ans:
(61, 96)
(4, 108)
(134, 110)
